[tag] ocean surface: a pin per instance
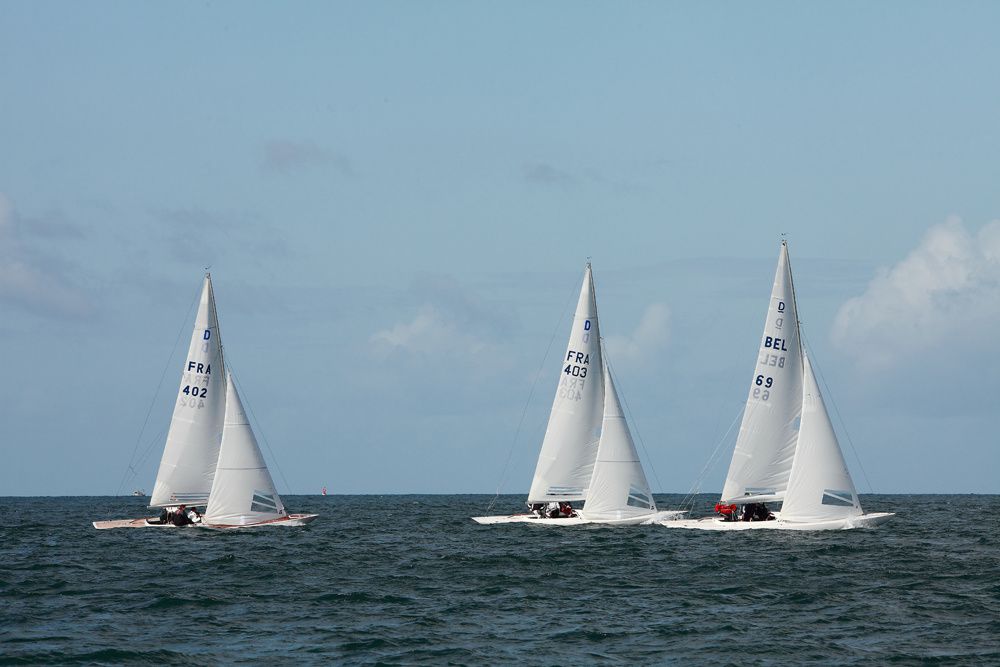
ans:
(412, 580)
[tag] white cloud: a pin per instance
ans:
(943, 296)
(431, 333)
(650, 336)
(452, 331)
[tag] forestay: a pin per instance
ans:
(566, 461)
(187, 467)
(618, 488)
(820, 486)
(243, 492)
(765, 446)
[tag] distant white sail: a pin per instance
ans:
(243, 492)
(820, 486)
(566, 461)
(618, 488)
(765, 446)
(187, 467)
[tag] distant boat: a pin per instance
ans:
(211, 457)
(786, 450)
(587, 453)
(139, 493)
(324, 491)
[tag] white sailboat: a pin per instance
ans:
(787, 450)
(211, 458)
(587, 453)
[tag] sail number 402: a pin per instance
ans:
(195, 392)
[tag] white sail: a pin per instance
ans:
(618, 488)
(820, 486)
(187, 466)
(765, 446)
(243, 492)
(566, 460)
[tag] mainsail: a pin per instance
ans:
(819, 487)
(187, 467)
(243, 492)
(618, 488)
(566, 460)
(765, 446)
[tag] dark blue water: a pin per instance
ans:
(411, 580)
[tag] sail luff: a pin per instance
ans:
(765, 446)
(191, 451)
(569, 448)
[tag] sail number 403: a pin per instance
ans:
(575, 371)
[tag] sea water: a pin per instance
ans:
(412, 580)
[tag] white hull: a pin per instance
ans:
(132, 523)
(290, 520)
(716, 523)
(576, 520)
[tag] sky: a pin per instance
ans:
(397, 200)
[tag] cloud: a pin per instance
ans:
(200, 235)
(650, 337)
(944, 296)
(36, 281)
(450, 328)
(541, 173)
(288, 156)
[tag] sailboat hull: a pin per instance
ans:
(290, 520)
(718, 524)
(132, 523)
(576, 520)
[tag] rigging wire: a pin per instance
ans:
(688, 500)
(843, 424)
(524, 410)
(133, 464)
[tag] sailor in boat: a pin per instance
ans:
(727, 512)
(166, 516)
(554, 510)
(756, 512)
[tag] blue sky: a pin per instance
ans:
(397, 201)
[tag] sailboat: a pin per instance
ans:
(786, 450)
(587, 453)
(211, 458)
